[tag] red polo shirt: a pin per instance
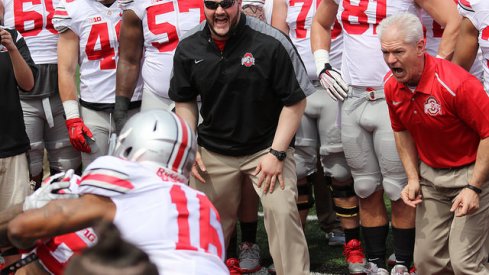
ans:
(447, 114)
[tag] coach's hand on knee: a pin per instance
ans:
(465, 203)
(269, 171)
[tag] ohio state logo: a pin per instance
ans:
(432, 107)
(248, 60)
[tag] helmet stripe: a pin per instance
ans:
(183, 146)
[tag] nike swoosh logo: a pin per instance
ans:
(198, 61)
(395, 103)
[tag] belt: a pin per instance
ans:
(360, 95)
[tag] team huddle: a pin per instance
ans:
(188, 113)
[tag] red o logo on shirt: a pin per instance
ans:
(432, 107)
(248, 60)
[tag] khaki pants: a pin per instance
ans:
(14, 180)
(286, 239)
(446, 244)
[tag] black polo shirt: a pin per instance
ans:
(13, 138)
(243, 88)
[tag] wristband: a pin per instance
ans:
(71, 109)
(473, 188)
(321, 57)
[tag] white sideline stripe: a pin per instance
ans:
(309, 218)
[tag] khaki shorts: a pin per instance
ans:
(14, 180)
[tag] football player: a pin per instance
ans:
(143, 189)
(42, 108)
(319, 120)
(153, 29)
(89, 33)
(366, 134)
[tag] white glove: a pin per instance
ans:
(334, 84)
(52, 188)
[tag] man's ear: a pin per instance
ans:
(421, 47)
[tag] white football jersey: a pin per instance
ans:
(176, 225)
(97, 27)
(55, 253)
(478, 13)
(362, 62)
(33, 19)
(164, 24)
(299, 19)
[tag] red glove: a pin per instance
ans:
(79, 134)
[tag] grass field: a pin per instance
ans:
(324, 259)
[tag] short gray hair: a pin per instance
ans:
(406, 23)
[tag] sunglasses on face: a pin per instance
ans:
(212, 5)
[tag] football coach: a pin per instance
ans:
(440, 117)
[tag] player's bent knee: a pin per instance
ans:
(305, 198)
(305, 159)
(365, 186)
(393, 188)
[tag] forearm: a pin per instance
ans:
(288, 122)
(481, 168)
(189, 112)
(22, 71)
(59, 217)
(126, 77)
(5, 217)
(449, 38)
(467, 45)
(408, 154)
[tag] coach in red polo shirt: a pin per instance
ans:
(440, 117)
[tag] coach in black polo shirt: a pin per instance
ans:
(17, 71)
(253, 85)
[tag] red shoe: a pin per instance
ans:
(412, 271)
(354, 257)
(233, 266)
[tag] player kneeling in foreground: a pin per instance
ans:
(142, 189)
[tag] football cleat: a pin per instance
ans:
(373, 269)
(336, 238)
(249, 257)
(354, 256)
(399, 269)
(391, 261)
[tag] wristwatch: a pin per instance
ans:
(280, 155)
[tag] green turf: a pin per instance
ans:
(324, 258)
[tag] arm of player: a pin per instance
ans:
(5, 217)
(22, 71)
(467, 45)
(59, 217)
(189, 112)
(467, 201)
(128, 67)
(329, 77)
(409, 157)
(270, 168)
(279, 16)
(444, 13)
(68, 47)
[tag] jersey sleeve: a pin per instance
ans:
(396, 123)
(105, 178)
(292, 83)
(465, 9)
(61, 19)
(181, 88)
